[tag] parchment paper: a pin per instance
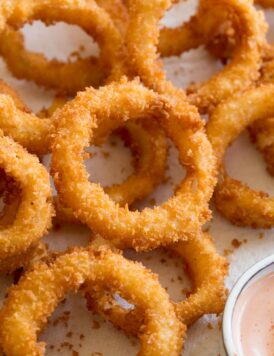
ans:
(73, 330)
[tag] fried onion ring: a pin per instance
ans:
(85, 118)
(243, 69)
(33, 217)
(68, 77)
(234, 200)
(207, 269)
(31, 302)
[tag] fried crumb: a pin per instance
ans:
(163, 260)
(152, 202)
(66, 344)
(236, 243)
(105, 154)
(186, 292)
(220, 324)
(261, 236)
(69, 334)
(210, 326)
(227, 252)
(95, 324)
(207, 229)
(75, 353)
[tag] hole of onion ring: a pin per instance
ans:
(179, 13)
(243, 153)
(175, 173)
(60, 41)
(73, 328)
(194, 66)
(110, 163)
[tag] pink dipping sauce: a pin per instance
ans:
(253, 318)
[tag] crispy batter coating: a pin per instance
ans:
(236, 201)
(245, 62)
(33, 217)
(207, 270)
(86, 118)
(68, 77)
(30, 303)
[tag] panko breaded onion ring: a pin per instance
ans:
(86, 118)
(234, 200)
(207, 270)
(69, 77)
(31, 302)
(245, 63)
(33, 217)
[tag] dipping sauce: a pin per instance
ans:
(253, 318)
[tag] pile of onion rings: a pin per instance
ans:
(125, 91)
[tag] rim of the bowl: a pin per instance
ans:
(229, 344)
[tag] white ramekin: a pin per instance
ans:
(256, 271)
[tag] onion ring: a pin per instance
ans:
(207, 269)
(86, 118)
(68, 77)
(162, 333)
(245, 63)
(33, 217)
(236, 201)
